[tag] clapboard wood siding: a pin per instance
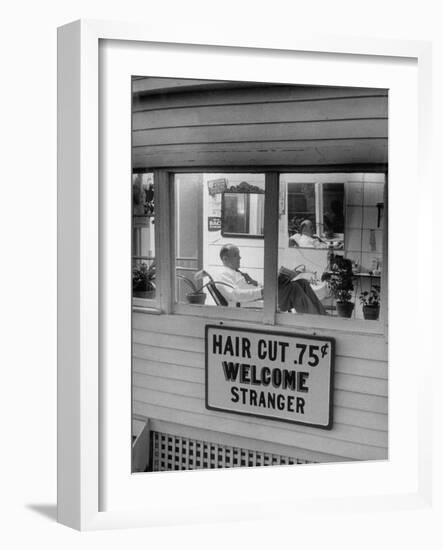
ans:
(353, 417)
(144, 85)
(255, 127)
(359, 384)
(168, 382)
(351, 435)
(345, 399)
(346, 382)
(261, 126)
(366, 389)
(266, 133)
(348, 109)
(353, 366)
(359, 346)
(377, 370)
(245, 94)
(303, 154)
(347, 433)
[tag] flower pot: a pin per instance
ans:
(371, 312)
(345, 309)
(196, 298)
(146, 294)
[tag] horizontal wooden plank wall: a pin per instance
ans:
(269, 125)
(168, 381)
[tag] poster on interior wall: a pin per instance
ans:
(214, 223)
(274, 375)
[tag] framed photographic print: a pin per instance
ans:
(234, 225)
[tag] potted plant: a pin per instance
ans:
(370, 300)
(143, 277)
(339, 281)
(197, 294)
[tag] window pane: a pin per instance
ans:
(143, 236)
(331, 244)
(219, 244)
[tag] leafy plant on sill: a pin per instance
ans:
(339, 279)
(143, 278)
(370, 298)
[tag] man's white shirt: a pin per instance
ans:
(310, 242)
(241, 291)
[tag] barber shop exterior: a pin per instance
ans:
(238, 190)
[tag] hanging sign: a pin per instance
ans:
(274, 375)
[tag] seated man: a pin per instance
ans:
(244, 289)
(296, 295)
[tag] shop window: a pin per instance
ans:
(214, 260)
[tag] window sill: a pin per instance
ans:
(143, 305)
(215, 313)
(310, 324)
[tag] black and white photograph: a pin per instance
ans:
(221, 289)
(259, 274)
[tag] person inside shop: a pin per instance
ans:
(307, 238)
(240, 287)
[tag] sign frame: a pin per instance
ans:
(329, 339)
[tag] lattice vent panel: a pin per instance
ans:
(172, 452)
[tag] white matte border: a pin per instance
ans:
(184, 497)
(118, 61)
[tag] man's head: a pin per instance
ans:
(230, 256)
(306, 228)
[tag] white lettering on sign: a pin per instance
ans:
(275, 375)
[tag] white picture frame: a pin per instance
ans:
(97, 492)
